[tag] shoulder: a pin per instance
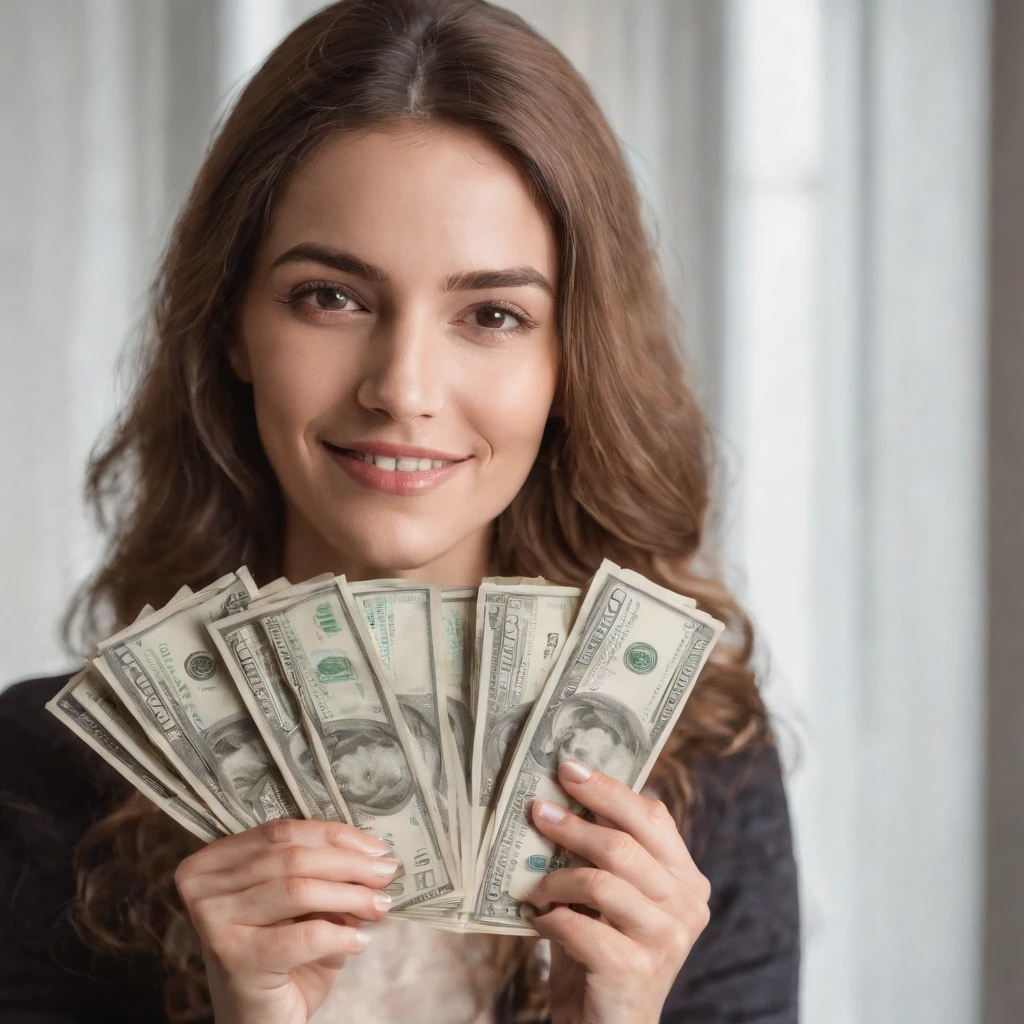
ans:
(51, 784)
(745, 965)
(741, 808)
(52, 787)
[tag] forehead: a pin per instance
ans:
(440, 198)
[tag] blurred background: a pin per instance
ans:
(835, 187)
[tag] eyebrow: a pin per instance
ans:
(469, 280)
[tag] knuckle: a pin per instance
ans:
(201, 912)
(658, 814)
(279, 830)
(677, 941)
(294, 860)
(183, 879)
(314, 936)
(343, 830)
(540, 890)
(296, 889)
(703, 887)
(703, 917)
(620, 846)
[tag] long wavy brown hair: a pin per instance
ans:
(185, 494)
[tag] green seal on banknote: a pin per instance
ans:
(334, 668)
(640, 658)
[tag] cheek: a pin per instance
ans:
(511, 407)
(295, 384)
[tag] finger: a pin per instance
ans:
(288, 898)
(605, 847)
(283, 948)
(625, 908)
(648, 821)
(234, 849)
(592, 943)
(330, 863)
(347, 919)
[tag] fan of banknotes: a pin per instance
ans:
(428, 716)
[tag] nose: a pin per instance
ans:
(404, 370)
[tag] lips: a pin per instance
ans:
(396, 469)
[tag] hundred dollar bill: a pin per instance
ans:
(611, 701)
(250, 659)
(458, 608)
(404, 618)
(498, 581)
(88, 708)
(359, 735)
(523, 629)
(167, 676)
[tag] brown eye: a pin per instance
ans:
(330, 298)
(491, 318)
(323, 297)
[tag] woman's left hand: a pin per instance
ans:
(650, 902)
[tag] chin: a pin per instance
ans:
(398, 546)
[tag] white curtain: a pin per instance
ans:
(814, 170)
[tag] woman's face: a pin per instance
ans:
(401, 395)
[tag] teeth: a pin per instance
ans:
(399, 465)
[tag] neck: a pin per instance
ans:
(306, 553)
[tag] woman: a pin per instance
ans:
(408, 324)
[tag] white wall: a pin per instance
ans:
(854, 396)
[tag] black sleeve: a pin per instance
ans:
(51, 788)
(744, 968)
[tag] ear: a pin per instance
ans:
(238, 356)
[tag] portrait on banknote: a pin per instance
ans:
(595, 728)
(500, 737)
(240, 754)
(370, 766)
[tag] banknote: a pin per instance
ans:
(242, 643)
(87, 706)
(359, 736)
(523, 629)
(404, 619)
(458, 609)
(165, 673)
(612, 698)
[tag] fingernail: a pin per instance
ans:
(381, 900)
(547, 811)
(362, 939)
(386, 868)
(574, 771)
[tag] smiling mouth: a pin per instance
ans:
(392, 463)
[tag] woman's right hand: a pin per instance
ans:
(278, 908)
